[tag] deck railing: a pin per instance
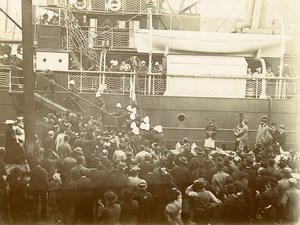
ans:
(151, 83)
(122, 6)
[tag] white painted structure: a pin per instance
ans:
(52, 60)
(191, 76)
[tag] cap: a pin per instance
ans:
(129, 108)
(133, 110)
(146, 119)
(282, 127)
(119, 105)
(143, 126)
(132, 116)
(9, 122)
(264, 119)
(158, 128)
(147, 126)
(71, 82)
(143, 62)
(132, 125)
(136, 130)
(156, 63)
(98, 94)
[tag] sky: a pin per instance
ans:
(211, 8)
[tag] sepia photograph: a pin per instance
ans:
(150, 112)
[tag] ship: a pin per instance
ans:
(209, 66)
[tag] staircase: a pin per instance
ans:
(78, 39)
(49, 104)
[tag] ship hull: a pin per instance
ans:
(197, 111)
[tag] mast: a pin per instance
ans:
(29, 104)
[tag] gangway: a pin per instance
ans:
(49, 104)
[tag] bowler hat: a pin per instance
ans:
(183, 160)
(142, 184)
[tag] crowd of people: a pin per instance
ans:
(80, 172)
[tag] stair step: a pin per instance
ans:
(48, 103)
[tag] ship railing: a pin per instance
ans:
(151, 83)
(120, 6)
(114, 38)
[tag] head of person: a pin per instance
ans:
(281, 128)
(198, 184)
(110, 197)
(264, 120)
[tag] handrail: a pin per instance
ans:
(70, 92)
(160, 74)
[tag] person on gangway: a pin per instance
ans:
(51, 83)
(72, 99)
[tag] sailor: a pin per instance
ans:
(262, 129)
(73, 97)
(119, 115)
(101, 104)
(211, 131)
(157, 68)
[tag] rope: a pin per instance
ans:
(246, 6)
(70, 92)
(227, 17)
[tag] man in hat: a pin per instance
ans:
(75, 171)
(133, 178)
(11, 142)
(73, 96)
(105, 161)
(242, 135)
(198, 161)
(146, 166)
(146, 203)
(38, 187)
(119, 115)
(281, 137)
(262, 130)
(69, 162)
(118, 180)
(200, 199)
(112, 211)
(181, 174)
(101, 104)
(84, 198)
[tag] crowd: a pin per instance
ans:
(81, 172)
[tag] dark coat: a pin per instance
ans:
(38, 179)
(181, 176)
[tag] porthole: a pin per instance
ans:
(181, 117)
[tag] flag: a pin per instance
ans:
(132, 95)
